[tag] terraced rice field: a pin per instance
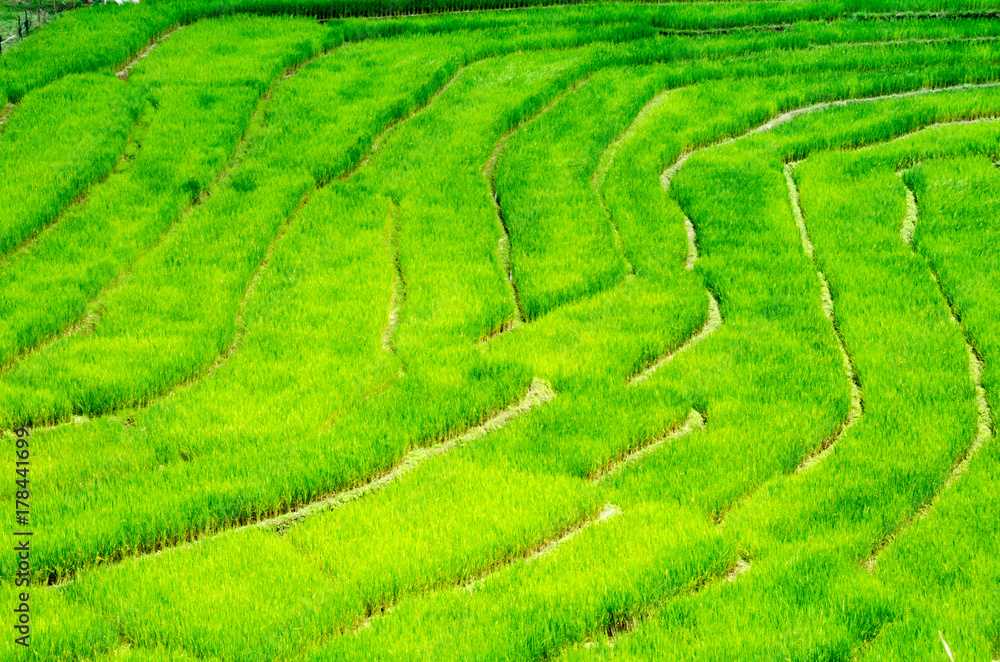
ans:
(593, 332)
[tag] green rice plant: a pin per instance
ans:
(191, 447)
(809, 533)
(49, 165)
(518, 435)
(58, 629)
(184, 142)
(568, 450)
(524, 492)
(725, 15)
(34, 398)
(103, 37)
(88, 40)
(955, 232)
(365, 575)
(593, 582)
(337, 311)
(913, 316)
(862, 613)
(270, 346)
(416, 513)
(942, 566)
(562, 245)
(402, 410)
(177, 311)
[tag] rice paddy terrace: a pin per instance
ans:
(594, 332)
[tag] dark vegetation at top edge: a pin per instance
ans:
(103, 37)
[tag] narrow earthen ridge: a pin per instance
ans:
(694, 421)
(608, 158)
(398, 286)
(127, 67)
(740, 568)
(504, 242)
(503, 245)
(923, 15)
(671, 170)
(606, 513)
(841, 103)
(385, 132)
(708, 32)
(909, 225)
(933, 126)
(629, 623)
(76, 420)
(545, 547)
(8, 110)
(668, 174)
(856, 407)
(869, 639)
(538, 393)
(906, 42)
(527, 555)
(692, 237)
(239, 325)
(712, 324)
(984, 414)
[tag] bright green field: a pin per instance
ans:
(588, 332)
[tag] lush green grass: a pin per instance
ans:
(182, 143)
(563, 246)
(287, 275)
(943, 566)
(50, 165)
(192, 436)
(807, 593)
